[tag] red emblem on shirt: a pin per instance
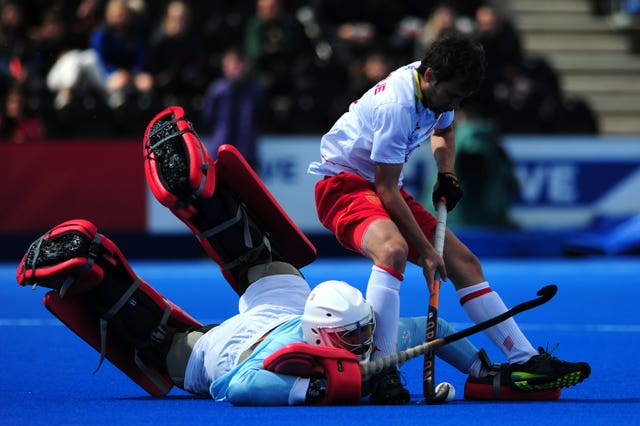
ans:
(379, 88)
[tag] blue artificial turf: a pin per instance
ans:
(48, 370)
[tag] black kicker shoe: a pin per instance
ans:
(544, 371)
(387, 389)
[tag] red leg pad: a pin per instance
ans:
(183, 178)
(82, 320)
(232, 170)
(74, 257)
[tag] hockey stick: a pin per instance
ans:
(428, 369)
(368, 368)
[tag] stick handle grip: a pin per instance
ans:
(441, 227)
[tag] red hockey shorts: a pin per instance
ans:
(347, 204)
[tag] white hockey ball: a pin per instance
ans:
(452, 390)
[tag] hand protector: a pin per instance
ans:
(448, 187)
(334, 372)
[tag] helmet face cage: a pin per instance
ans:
(356, 337)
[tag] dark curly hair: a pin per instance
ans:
(454, 57)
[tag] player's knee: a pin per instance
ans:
(393, 253)
(471, 263)
(179, 353)
(464, 268)
(256, 272)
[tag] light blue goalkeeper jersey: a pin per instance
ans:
(249, 384)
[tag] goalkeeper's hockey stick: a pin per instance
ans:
(368, 368)
(428, 369)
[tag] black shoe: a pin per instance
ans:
(387, 389)
(545, 371)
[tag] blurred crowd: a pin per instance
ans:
(102, 68)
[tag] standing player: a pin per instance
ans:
(361, 199)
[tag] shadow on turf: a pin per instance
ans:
(413, 402)
(559, 401)
(602, 401)
(163, 398)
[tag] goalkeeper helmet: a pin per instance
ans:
(336, 315)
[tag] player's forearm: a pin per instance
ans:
(259, 387)
(444, 150)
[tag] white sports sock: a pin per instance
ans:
(481, 303)
(383, 293)
(474, 370)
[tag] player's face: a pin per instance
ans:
(442, 96)
(357, 340)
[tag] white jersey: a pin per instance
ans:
(267, 303)
(384, 126)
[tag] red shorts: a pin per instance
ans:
(347, 204)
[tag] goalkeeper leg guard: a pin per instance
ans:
(236, 219)
(96, 294)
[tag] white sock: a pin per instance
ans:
(481, 303)
(474, 370)
(383, 293)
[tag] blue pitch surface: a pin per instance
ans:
(48, 370)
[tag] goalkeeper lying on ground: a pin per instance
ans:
(242, 360)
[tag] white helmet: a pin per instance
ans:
(337, 315)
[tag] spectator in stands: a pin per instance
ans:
(49, 41)
(176, 57)
(376, 67)
(281, 56)
(530, 99)
(501, 42)
(75, 74)
(16, 124)
(122, 50)
(234, 108)
(443, 20)
(486, 172)
(503, 50)
(14, 47)
(83, 17)
(221, 24)
(359, 27)
(363, 75)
